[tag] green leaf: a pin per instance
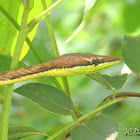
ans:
(1, 100)
(99, 128)
(8, 33)
(18, 132)
(5, 62)
(91, 6)
(15, 24)
(131, 15)
(109, 82)
(47, 97)
(48, 3)
(131, 52)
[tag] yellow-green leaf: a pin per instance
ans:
(8, 33)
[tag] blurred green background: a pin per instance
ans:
(102, 35)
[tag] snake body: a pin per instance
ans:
(65, 65)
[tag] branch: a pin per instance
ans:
(8, 94)
(123, 94)
(65, 132)
(137, 74)
(82, 119)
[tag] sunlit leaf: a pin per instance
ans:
(91, 6)
(47, 97)
(8, 33)
(48, 3)
(109, 82)
(5, 62)
(131, 52)
(18, 132)
(99, 128)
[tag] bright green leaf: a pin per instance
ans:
(131, 52)
(48, 3)
(18, 132)
(109, 82)
(8, 33)
(47, 97)
(15, 24)
(98, 128)
(5, 62)
(91, 6)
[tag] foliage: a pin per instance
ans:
(17, 30)
(109, 82)
(47, 97)
(99, 127)
(18, 132)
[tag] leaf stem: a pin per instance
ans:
(56, 51)
(113, 95)
(66, 86)
(50, 30)
(7, 102)
(54, 44)
(105, 103)
(123, 94)
(34, 21)
(80, 120)
(57, 84)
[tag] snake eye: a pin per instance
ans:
(95, 61)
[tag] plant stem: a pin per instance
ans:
(50, 30)
(20, 41)
(66, 86)
(54, 44)
(56, 52)
(57, 84)
(18, 27)
(113, 95)
(5, 113)
(80, 120)
(34, 21)
(33, 49)
(123, 94)
(7, 102)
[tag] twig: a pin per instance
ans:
(124, 94)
